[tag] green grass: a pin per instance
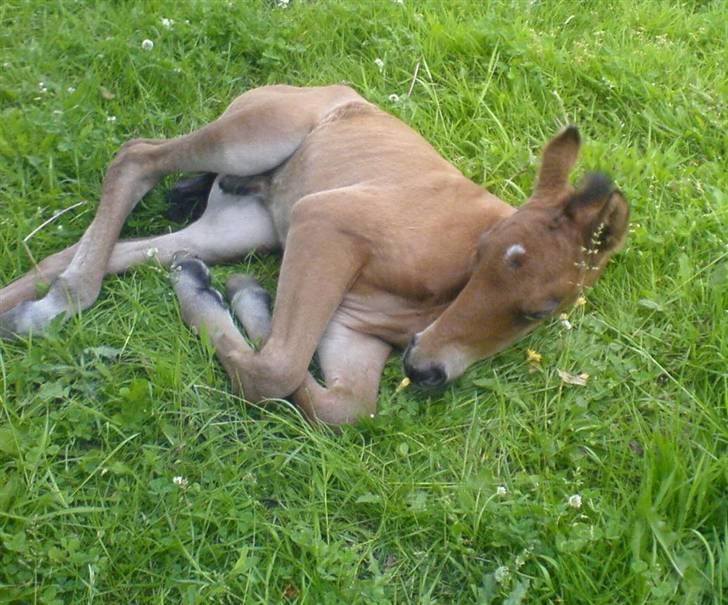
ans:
(99, 418)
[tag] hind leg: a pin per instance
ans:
(208, 237)
(231, 227)
(258, 133)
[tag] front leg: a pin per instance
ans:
(320, 263)
(352, 365)
(351, 362)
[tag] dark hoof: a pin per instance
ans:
(189, 269)
(191, 275)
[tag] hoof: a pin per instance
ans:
(251, 303)
(191, 277)
(238, 283)
(245, 289)
(192, 267)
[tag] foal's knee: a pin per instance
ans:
(272, 376)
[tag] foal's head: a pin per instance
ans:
(526, 268)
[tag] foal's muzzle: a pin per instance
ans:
(429, 375)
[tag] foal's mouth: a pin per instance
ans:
(430, 376)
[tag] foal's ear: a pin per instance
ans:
(600, 212)
(559, 157)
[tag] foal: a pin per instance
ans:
(385, 244)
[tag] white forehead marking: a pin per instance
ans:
(515, 250)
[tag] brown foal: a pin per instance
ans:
(385, 244)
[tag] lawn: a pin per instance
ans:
(130, 474)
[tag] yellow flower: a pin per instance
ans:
(580, 302)
(533, 357)
(403, 385)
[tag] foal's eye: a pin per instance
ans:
(525, 317)
(528, 317)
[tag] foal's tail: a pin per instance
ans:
(187, 198)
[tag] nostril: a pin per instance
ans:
(436, 377)
(432, 376)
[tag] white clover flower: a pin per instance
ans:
(180, 481)
(111, 119)
(394, 98)
(147, 45)
(152, 252)
(575, 501)
(283, 3)
(564, 319)
(71, 89)
(502, 490)
(501, 574)
(379, 63)
(523, 557)
(168, 23)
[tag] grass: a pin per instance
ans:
(461, 497)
